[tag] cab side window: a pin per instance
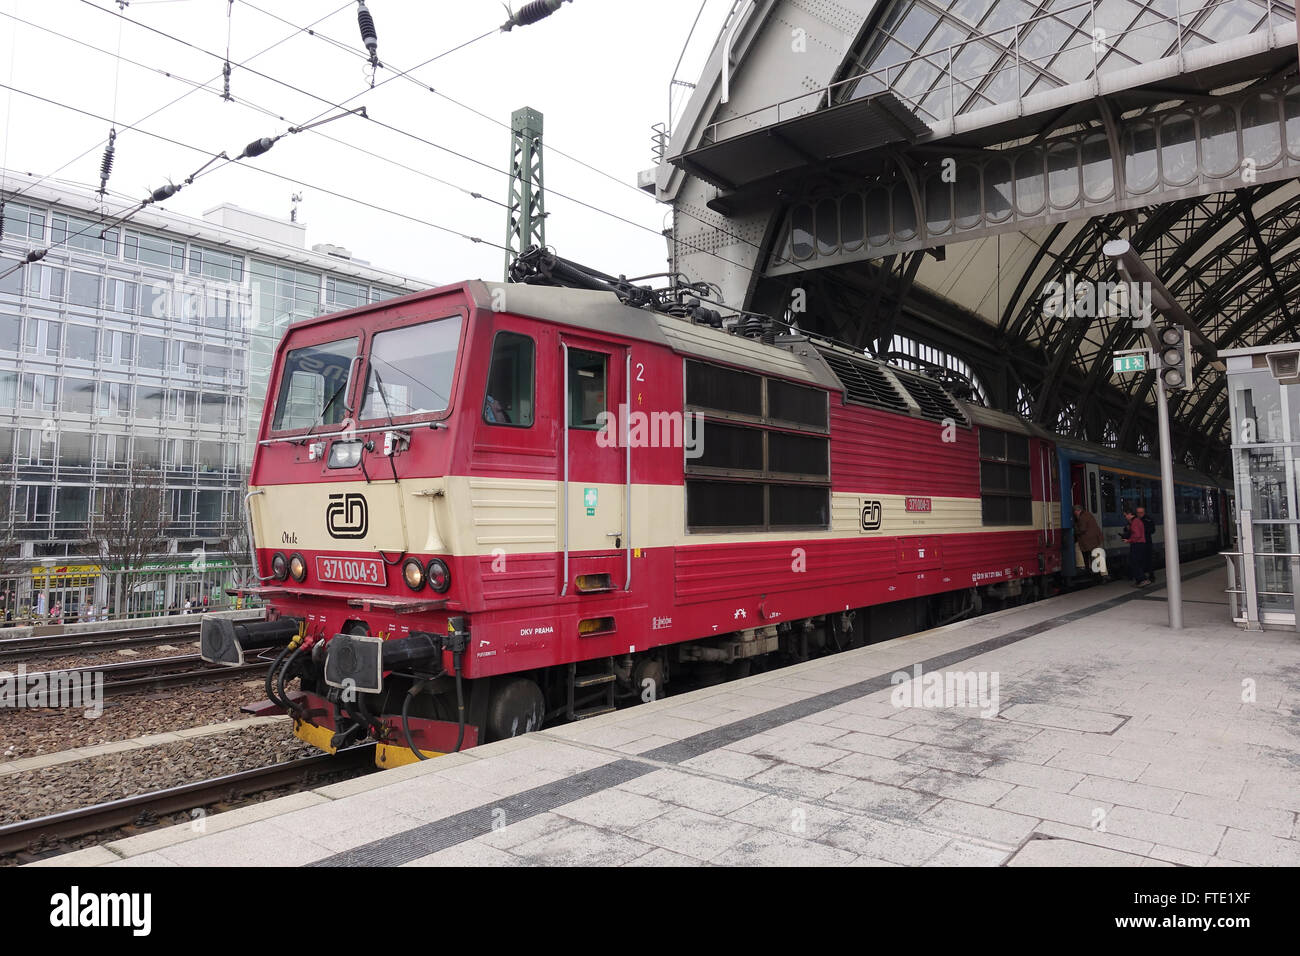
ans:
(586, 388)
(509, 397)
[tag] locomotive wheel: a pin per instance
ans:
(515, 707)
(650, 671)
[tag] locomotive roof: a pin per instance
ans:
(603, 312)
(799, 359)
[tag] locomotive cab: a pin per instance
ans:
(405, 499)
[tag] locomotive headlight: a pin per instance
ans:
(298, 568)
(345, 454)
(280, 566)
(413, 573)
(439, 575)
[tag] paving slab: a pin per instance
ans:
(1112, 741)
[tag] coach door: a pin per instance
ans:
(596, 467)
(1092, 500)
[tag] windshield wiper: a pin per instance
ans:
(320, 417)
(379, 380)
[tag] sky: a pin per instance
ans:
(598, 70)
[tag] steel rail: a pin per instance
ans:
(51, 644)
(128, 677)
(16, 837)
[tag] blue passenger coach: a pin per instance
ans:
(1105, 481)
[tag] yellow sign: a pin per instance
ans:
(65, 576)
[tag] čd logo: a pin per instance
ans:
(347, 516)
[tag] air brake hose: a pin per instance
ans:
(270, 680)
(406, 721)
(460, 703)
(280, 678)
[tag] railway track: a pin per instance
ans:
(129, 677)
(16, 837)
(58, 645)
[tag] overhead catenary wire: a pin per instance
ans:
(9, 102)
(226, 229)
(255, 107)
(168, 104)
(225, 70)
(396, 129)
(260, 169)
(106, 161)
(683, 242)
(255, 148)
(408, 74)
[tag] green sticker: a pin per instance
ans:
(589, 498)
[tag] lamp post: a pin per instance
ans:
(1133, 269)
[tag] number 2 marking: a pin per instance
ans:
(640, 372)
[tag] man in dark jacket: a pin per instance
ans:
(1087, 535)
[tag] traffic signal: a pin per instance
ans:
(1173, 357)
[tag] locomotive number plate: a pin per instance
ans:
(352, 571)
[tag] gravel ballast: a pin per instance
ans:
(41, 792)
(27, 733)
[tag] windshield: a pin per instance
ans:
(313, 385)
(411, 369)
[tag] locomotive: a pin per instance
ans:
(488, 506)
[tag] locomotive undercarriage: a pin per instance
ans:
(398, 694)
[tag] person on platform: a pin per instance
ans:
(1087, 535)
(1149, 523)
(1136, 535)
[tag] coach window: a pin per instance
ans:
(586, 388)
(509, 397)
(1107, 493)
(312, 385)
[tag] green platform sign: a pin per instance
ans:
(1130, 363)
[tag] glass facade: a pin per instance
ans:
(1265, 454)
(948, 57)
(127, 352)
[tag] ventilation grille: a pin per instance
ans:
(864, 383)
(936, 404)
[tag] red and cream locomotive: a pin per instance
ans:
(488, 506)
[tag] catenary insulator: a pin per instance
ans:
(106, 163)
(259, 146)
(530, 13)
(164, 192)
(368, 35)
